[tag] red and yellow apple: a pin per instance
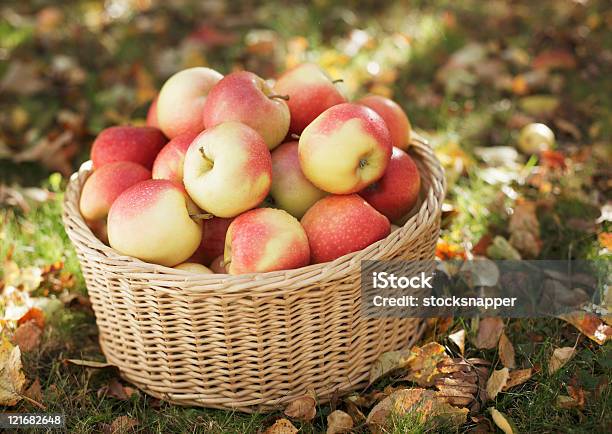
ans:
(265, 239)
(341, 224)
(395, 118)
(397, 191)
(151, 221)
(106, 184)
(193, 267)
(310, 91)
(345, 149)
(180, 102)
(213, 240)
(291, 190)
(169, 161)
(152, 114)
(126, 143)
(245, 97)
(228, 169)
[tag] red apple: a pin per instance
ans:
(228, 169)
(310, 91)
(265, 239)
(398, 190)
(213, 240)
(126, 143)
(152, 114)
(345, 149)
(395, 118)
(152, 222)
(169, 161)
(106, 184)
(337, 225)
(291, 190)
(244, 97)
(181, 100)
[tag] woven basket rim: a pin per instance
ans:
(228, 284)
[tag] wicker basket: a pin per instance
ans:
(248, 342)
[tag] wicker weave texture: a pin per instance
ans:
(248, 342)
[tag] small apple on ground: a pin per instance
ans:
(126, 143)
(265, 239)
(106, 184)
(151, 221)
(180, 102)
(245, 97)
(535, 138)
(395, 118)
(345, 149)
(213, 240)
(193, 267)
(310, 91)
(397, 191)
(337, 225)
(291, 190)
(228, 169)
(169, 161)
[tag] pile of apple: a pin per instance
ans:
(255, 177)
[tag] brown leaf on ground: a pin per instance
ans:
(503, 422)
(517, 377)
(281, 426)
(489, 331)
(12, 378)
(524, 229)
(339, 422)
(34, 392)
(302, 408)
(559, 358)
(34, 314)
(389, 362)
(554, 59)
(423, 365)
(589, 325)
(458, 338)
(461, 378)
(116, 390)
(577, 394)
(506, 352)
(422, 402)
(27, 336)
(496, 382)
(121, 425)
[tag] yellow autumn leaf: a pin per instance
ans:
(12, 378)
(502, 421)
(496, 382)
(559, 358)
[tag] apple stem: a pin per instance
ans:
(338, 80)
(295, 136)
(283, 97)
(201, 216)
(362, 163)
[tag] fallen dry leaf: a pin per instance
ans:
(388, 362)
(496, 382)
(281, 426)
(559, 358)
(116, 390)
(423, 364)
(524, 229)
(27, 336)
(121, 425)
(34, 392)
(89, 363)
(34, 314)
(489, 331)
(463, 382)
(12, 378)
(458, 338)
(517, 377)
(577, 394)
(302, 408)
(503, 422)
(422, 402)
(339, 422)
(506, 352)
(589, 325)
